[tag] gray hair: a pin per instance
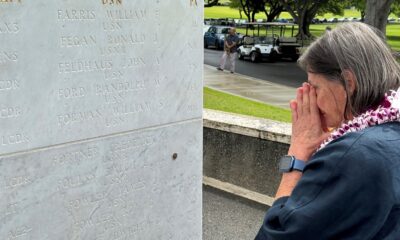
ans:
(358, 48)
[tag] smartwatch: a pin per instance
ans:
(289, 163)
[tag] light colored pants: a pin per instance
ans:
(232, 59)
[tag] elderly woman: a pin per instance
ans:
(341, 178)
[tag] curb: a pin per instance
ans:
(238, 191)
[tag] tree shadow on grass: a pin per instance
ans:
(394, 42)
(393, 38)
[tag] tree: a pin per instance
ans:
(245, 5)
(303, 12)
(251, 8)
(210, 3)
(377, 12)
(235, 4)
(272, 9)
(334, 7)
(395, 8)
(360, 6)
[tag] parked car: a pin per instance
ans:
(282, 20)
(243, 21)
(323, 20)
(226, 22)
(205, 29)
(332, 20)
(215, 37)
(209, 21)
(344, 19)
(290, 20)
(213, 21)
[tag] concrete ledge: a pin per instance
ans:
(239, 191)
(244, 151)
(248, 126)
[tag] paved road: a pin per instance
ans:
(282, 72)
(226, 217)
(248, 87)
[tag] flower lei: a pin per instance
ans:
(387, 111)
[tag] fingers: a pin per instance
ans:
(299, 100)
(306, 98)
(313, 102)
(293, 107)
(306, 102)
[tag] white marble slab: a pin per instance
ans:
(129, 186)
(73, 70)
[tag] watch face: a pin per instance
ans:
(286, 164)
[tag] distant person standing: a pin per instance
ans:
(230, 47)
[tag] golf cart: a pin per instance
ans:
(274, 45)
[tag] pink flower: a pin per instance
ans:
(385, 103)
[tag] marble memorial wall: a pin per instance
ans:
(100, 119)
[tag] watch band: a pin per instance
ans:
(298, 164)
(289, 163)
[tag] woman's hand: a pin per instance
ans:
(307, 134)
(307, 129)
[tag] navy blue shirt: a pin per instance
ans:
(349, 190)
(230, 39)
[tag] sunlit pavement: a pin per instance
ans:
(249, 87)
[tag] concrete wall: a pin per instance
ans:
(244, 151)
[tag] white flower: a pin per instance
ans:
(396, 100)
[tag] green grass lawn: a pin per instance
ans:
(229, 103)
(227, 12)
(392, 33)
